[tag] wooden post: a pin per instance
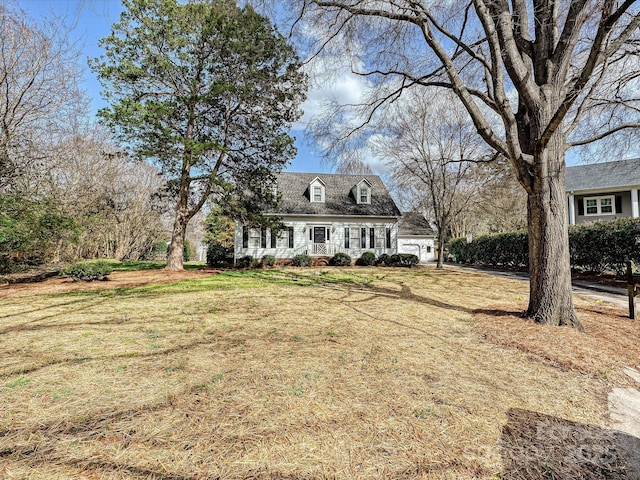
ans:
(631, 289)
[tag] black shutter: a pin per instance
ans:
(372, 238)
(618, 204)
(581, 206)
(363, 238)
(328, 234)
(273, 238)
(388, 240)
(346, 237)
(290, 230)
(263, 237)
(245, 236)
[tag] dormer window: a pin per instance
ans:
(316, 191)
(363, 192)
(364, 195)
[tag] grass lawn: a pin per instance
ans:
(359, 373)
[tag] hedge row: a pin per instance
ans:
(595, 248)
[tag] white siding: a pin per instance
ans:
(303, 244)
(422, 247)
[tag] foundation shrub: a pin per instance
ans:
(301, 261)
(367, 259)
(340, 260)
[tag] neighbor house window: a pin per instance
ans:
(599, 205)
(317, 194)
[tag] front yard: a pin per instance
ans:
(305, 373)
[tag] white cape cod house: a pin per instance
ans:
(325, 214)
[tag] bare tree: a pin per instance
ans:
(39, 92)
(432, 152)
(112, 197)
(540, 67)
(499, 204)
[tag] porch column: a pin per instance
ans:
(635, 213)
(572, 210)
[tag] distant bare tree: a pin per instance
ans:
(500, 205)
(113, 198)
(39, 93)
(432, 151)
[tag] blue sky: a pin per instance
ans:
(92, 20)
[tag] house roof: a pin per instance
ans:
(414, 223)
(598, 176)
(339, 200)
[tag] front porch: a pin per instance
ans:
(321, 250)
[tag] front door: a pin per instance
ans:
(319, 235)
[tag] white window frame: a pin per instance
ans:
(364, 191)
(255, 238)
(598, 205)
(354, 237)
(316, 194)
(316, 183)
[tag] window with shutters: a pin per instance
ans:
(255, 236)
(599, 205)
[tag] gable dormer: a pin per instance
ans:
(316, 191)
(362, 192)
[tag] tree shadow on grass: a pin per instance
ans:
(500, 313)
(537, 446)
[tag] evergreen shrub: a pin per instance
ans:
(340, 260)
(301, 261)
(87, 272)
(219, 256)
(367, 259)
(245, 262)
(383, 260)
(595, 248)
(268, 260)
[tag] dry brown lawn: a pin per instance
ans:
(360, 373)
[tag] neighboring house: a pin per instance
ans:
(416, 236)
(325, 214)
(603, 191)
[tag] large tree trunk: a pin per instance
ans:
(175, 255)
(550, 294)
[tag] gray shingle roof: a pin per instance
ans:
(294, 189)
(414, 223)
(621, 173)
